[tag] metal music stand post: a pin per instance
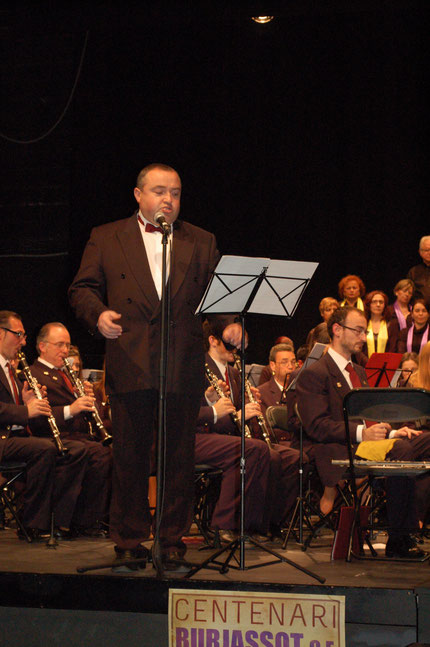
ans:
(256, 285)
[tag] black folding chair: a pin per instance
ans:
(388, 405)
(207, 480)
(10, 472)
(306, 506)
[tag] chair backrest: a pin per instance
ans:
(387, 405)
(277, 416)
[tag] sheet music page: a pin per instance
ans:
(283, 288)
(231, 285)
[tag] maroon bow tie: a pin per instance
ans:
(149, 227)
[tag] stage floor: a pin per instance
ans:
(387, 603)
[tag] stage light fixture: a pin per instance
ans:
(262, 20)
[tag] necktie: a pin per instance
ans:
(14, 387)
(355, 380)
(150, 227)
(67, 382)
(227, 381)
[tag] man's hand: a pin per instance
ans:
(107, 326)
(224, 407)
(252, 409)
(376, 432)
(232, 334)
(84, 403)
(88, 388)
(407, 432)
(38, 408)
(28, 394)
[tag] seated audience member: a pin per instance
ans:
(400, 310)
(102, 402)
(52, 481)
(282, 362)
(319, 335)
(283, 481)
(420, 274)
(266, 373)
(75, 360)
(320, 391)
(72, 413)
(351, 291)
(408, 366)
(326, 307)
(415, 337)
(380, 337)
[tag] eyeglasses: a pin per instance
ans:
(358, 331)
(287, 362)
(59, 344)
(17, 333)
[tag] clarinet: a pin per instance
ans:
(266, 431)
(32, 383)
(213, 380)
(105, 435)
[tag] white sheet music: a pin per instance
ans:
(235, 278)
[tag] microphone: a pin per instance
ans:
(160, 220)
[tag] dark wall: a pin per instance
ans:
(303, 139)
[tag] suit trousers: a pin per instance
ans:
(134, 418)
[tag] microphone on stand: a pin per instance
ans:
(160, 220)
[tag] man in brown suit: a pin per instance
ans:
(73, 417)
(117, 292)
(320, 391)
(50, 479)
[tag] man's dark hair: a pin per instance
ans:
(151, 167)
(5, 315)
(339, 316)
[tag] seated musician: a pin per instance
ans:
(74, 419)
(320, 390)
(50, 478)
(282, 362)
(283, 483)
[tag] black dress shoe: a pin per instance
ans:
(403, 548)
(173, 562)
(123, 555)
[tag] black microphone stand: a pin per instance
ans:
(161, 427)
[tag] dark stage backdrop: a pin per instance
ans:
(303, 139)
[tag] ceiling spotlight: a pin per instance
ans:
(262, 19)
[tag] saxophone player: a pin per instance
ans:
(49, 486)
(71, 414)
(282, 488)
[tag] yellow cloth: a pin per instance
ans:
(360, 304)
(375, 450)
(382, 338)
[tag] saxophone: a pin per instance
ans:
(266, 432)
(32, 383)
(105, 435)
(213, 380)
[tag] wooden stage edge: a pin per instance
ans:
(391, 597)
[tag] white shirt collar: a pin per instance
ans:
(340, 360)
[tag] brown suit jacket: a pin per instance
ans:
(320, 390)
(58, 396)
(10, 413)
(115, 274)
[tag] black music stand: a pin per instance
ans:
(381, 367)
(257, 285)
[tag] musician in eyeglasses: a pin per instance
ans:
(320, 390)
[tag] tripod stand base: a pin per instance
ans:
(239, 543)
